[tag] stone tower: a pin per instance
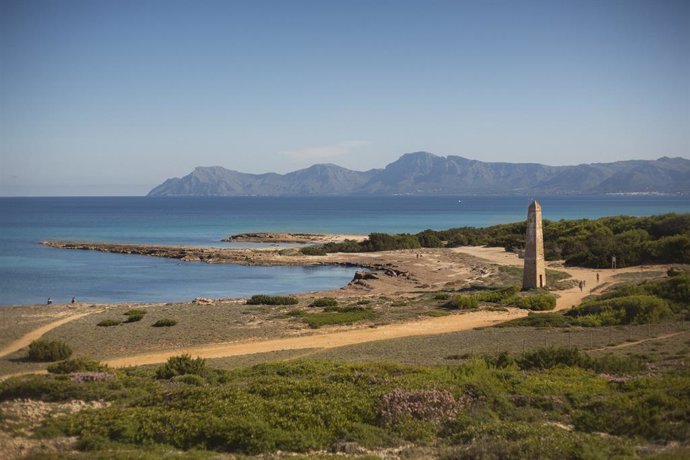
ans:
(535, 274)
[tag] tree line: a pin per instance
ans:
(583, 242)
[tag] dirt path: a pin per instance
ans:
(431, 326)
(568, 297)
(26, 339)
(637, 342)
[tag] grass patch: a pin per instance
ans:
(164, 322)
(134, 318)
(272, 300)
(109, 323)
(324, 302)
(335, 315)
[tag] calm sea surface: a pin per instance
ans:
(30, 273)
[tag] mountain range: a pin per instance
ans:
(423, 173)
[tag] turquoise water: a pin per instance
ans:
(30, 273)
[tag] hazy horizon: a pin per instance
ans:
(112, 98)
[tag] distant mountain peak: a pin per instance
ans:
(424, 173)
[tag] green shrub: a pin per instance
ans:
(546, 358)
(109, 323)
(272, 300)
(496, 295)
(134, 318)
(634, 309)
(462, 302)
(76, 365)
(165, 322)
(181, 365)
(441, 296)
(135, 311)
(324, 302)
(536, 302)
(43, 351)
(313, 251)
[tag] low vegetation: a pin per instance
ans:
(334, 315)
(648, 302)
(509, 296)
(547, 403)
(165, 322)
(109, 323)
(313, 251)
(76, 365)
(322, 302)
(584, 242)
(46, 351)
(134, 318)
(262, 299)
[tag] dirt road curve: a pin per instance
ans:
(25, 340)
(452, 323)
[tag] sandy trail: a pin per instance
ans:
(26, 339)
(431, 326)
(637, 342)
(568, 297)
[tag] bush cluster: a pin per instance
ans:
(504, 296)
(536, 302)
(76, 365)
(462, 302)
(633, 309)
(313, 251)
(551, 357)
(181, 365)
(165, 322)
(262, 299)
(479, 409)
(324, 302)
(585, 242)
(109, 322)
(44, 351)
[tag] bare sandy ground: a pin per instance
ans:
(452, 323)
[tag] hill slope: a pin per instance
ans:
(423, 173)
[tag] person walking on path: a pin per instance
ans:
(597, 277)
(582, 284)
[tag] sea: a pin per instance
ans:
(31, 272)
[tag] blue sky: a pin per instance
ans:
(113, 97)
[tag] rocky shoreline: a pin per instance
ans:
(295, 238)
(380, 272)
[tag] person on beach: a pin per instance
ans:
(581, 285)
(50, 301)
(74, 300)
